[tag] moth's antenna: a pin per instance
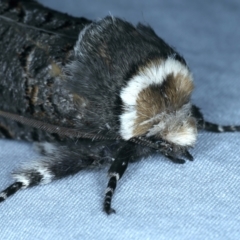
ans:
(146, 142)
(70, 132)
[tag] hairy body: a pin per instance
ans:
(121, 87)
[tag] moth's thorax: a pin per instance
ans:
(156, 103)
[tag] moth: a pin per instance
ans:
(91, 93)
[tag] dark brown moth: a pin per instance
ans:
(119, 89)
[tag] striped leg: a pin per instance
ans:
(212, 127)
(59, 161)
(10, 190)
(31, 175)
(116, 171)
(112, 184)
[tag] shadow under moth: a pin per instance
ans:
(91, 93)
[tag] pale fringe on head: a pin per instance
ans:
(178, 127)
(185, 136)
(152, 74)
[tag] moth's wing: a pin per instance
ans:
(35, 46)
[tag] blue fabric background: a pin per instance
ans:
(156, 199)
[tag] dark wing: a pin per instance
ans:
(35, 44)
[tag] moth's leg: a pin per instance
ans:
(58, 162)
(175, 153)
(127, 153)
(176, 156)
(10, 190)
(212, 127)
(176, 159)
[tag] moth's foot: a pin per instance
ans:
(109, 210)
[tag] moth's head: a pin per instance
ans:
(156, 104)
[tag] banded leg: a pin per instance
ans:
(10, 190)
(59, 162)
(212, 127)
(32, 175)
(115, 172)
